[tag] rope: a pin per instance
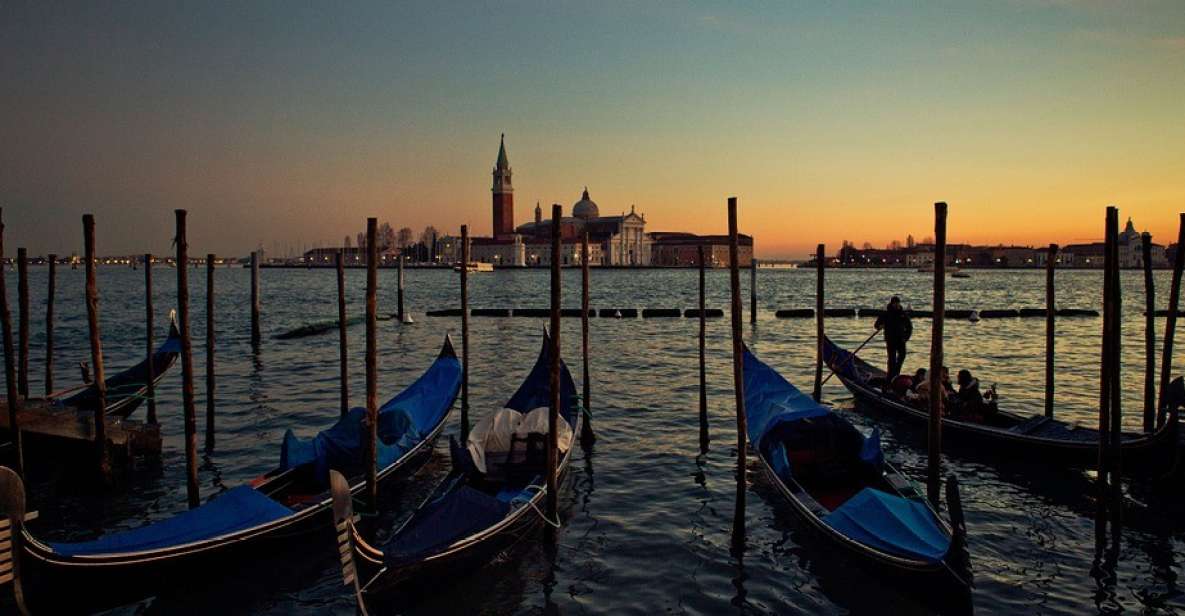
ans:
(543, 516)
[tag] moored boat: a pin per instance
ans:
(1038, 436)
(839, 483)
(245, 523)
(492, 499)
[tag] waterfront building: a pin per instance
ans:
(678, 249)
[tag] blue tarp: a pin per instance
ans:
(535, 391)
(455, 515)
(404, 422)
(237, 509)
(770, 399)
(891, 524)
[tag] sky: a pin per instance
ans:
(285, 125)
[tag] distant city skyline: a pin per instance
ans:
(276, 125)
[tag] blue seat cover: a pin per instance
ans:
(891, 524)
(454, 516)
(237, 509)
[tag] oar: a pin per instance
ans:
(852, 355)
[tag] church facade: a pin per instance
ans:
(615, 241)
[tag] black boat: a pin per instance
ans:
(249, 521)
(838, 482)
(491, 500)
(1039, 436)
(127, 389)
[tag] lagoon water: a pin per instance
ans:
(648, 518)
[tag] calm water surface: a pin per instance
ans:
(649, 518)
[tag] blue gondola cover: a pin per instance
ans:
(891, 524)
(237, 509)
(455, 515)
(404, 422)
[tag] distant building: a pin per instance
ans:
(1131, 251)
(676, 249)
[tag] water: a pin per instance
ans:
(648, 519)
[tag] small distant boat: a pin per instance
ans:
(492, 499)
(959, 274)
(476, 266)
(838, 481)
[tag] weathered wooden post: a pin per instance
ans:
(464, 333)
(1105, 382)
(148, 336)
(1050, 327)
(753, 290)
(820, 268)
(554, 382)
(934, 458)
(1116, 431)
(191, 480)
(255, 337)
(372, 364)
(587, 438)
(209, 352)
(22, 299)
(92, 319)
(343, 347)
(738, 343)
(1170, 324)
(14, 401)
(1149, 336)
(52, 276)
(704, 438)
(402, 318)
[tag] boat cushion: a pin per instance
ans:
(234, 510)
(458, 514)
(891, 524)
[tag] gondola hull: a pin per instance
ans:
(393, 583)
(1044, 439)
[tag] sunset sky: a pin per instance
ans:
(841, 120)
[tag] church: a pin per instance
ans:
(616, 241)
(613, 240)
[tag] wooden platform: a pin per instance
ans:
(66, 427)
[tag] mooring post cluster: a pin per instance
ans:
(372, 365)
(464, 333)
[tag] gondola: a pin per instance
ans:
(125, 390)
(838, 482)
(250, 520)
(1004, 432)
(492, 498)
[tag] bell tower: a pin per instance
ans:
(503, 194)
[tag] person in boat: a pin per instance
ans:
(969, 402)
(917, 381)
(898, 329)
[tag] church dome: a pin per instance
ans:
(585, 208)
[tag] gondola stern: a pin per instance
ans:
(447, 350)
(12, 499)
(343, 523)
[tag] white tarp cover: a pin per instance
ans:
(493, 433)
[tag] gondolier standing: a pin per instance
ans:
(898, 328)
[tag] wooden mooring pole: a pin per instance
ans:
(464, 333)
(255, 336)
(191, 479)
(103, 464)
(210, 352)
(1115, 433)
(753, 290)
(1105, 368)
(554, 382)
(704, 438)
(14, 402)
(372, 364)
(820, 268)
(738, 343)
(1050, 327)
(1170, 324)
(587, 438)
(52, 276)
(22, 299)
(342, 345)
(148, 337)
(1149, 335)
(934, 457)
(402, 318)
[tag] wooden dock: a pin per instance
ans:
(75, 429)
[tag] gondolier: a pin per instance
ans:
(898, 329)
